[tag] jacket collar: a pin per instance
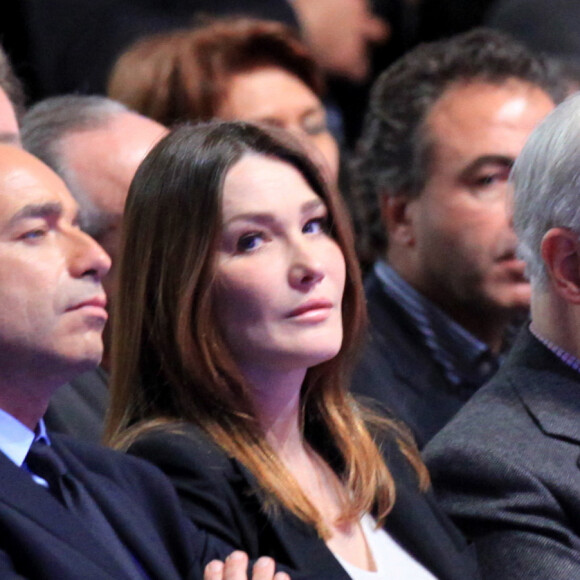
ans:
(548, 388)
(444, 551)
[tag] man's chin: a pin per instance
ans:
(85, 359)
(516, 302)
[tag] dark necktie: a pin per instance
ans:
(45, 463)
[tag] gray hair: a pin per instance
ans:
(49, 122)
(546, 178)
(394, 153)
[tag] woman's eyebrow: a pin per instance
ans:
(268, 218)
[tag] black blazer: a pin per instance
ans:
(398, 371)
(507, 467)
(41, 540)
(218, 494)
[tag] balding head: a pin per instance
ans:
(100, 164)
(95, 145)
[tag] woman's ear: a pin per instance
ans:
(397, 218)
(561, 254)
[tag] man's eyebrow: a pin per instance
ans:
(37, 210)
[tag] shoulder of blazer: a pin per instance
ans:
(120, 468)
(182, 443)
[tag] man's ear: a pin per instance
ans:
(397, 219)
(561, 254)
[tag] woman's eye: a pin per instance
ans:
(249, 242)
(316, 226)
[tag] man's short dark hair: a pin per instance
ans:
(394, 152)
(11, 84)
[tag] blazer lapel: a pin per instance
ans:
(420, 527)
(416, 523)
(305, 549)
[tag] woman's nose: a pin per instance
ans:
(305, 270)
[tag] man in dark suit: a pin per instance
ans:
(95, 145)
(506, 467)
(70, 510)
(444, 126)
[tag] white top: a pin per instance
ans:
(391, 561)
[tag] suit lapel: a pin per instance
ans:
(388, 317)
(21, 493)
(399, 346)
(133, 526)
(547, 387)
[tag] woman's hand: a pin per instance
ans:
(236, 565)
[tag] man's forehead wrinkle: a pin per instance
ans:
(18, 182)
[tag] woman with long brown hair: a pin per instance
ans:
(239, 314)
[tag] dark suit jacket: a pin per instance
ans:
(218, 494)
(507, 467)
(398, 371)
(42, 540)
(78, 408)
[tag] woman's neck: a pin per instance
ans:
(277, 402)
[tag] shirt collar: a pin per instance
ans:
(16, 438)
(464, 358)
(567, 358)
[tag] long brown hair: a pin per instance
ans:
(170, 363)
(184, 74)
